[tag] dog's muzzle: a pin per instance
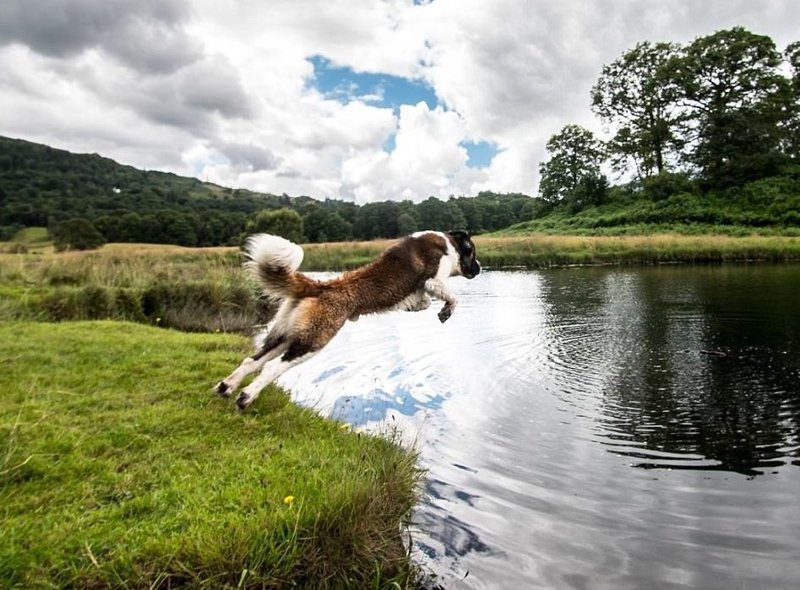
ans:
(472, 270)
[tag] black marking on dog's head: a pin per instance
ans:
(468, 263)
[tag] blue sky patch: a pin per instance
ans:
(343, 84)
(479, 153)
(390, 144)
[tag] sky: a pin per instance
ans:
(361, 100)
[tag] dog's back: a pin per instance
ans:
(380, 285)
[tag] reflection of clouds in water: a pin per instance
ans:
(360, 410)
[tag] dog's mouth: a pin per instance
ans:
(472, 270)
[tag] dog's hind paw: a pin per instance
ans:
(244, 400)
(223, 389)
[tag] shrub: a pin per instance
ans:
(76, 234)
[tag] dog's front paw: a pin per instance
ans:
(223, 389)
(445, 313)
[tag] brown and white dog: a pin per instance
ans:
(405, 277)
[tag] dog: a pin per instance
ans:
(404, 277)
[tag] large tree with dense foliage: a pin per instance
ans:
(286, 223)
(637, 97)
(792, 119)
(732, 85)
(323, 225)
(76, 234)
(572, 174)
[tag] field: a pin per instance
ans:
(120, 469)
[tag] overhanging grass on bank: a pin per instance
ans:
(119, 468)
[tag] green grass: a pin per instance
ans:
(192, 289)
(546, 250)
(206, 290)
(120, 469)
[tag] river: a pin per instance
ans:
(591, 427)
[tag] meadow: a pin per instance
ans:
(120, 469)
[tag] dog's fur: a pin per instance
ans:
(405, 277)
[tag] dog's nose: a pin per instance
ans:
(475, 268)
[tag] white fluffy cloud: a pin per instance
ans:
(225, 90)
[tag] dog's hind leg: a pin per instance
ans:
(273, 346)
(315, 326)
(294, 354)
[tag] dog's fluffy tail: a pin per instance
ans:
(274, 261)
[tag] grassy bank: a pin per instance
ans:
(192, 289)
(119, 468)
(205, 289)
(546, 250)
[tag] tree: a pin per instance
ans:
(732, 86)
(376, 220)
(323, 225)
(406, 224)
(286, 223)
(638, 96)
(792, 118)
(440, 215)
(76, 234)
(574, 165)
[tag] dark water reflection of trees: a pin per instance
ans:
(697, 367)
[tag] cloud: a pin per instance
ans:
(146, 34)
(251, 156)
(364, 101)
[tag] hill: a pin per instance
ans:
(42, 186)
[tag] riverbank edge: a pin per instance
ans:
(541, 251)
(94, 485)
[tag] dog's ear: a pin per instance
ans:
(461, 235)
(462, 240)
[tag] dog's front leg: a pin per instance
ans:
(417, 301)
(437, 289)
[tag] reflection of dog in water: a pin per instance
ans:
(405, 277)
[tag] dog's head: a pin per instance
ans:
(467, 262)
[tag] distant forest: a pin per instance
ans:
(705, 134)
(43, 186)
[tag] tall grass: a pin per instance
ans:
(205, 289)
(191, 289)
(120, 469)
(545, 250)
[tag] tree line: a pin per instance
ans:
(42, 186)
(703, 118)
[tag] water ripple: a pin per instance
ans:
(592, 428)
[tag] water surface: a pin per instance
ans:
(592, 428)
